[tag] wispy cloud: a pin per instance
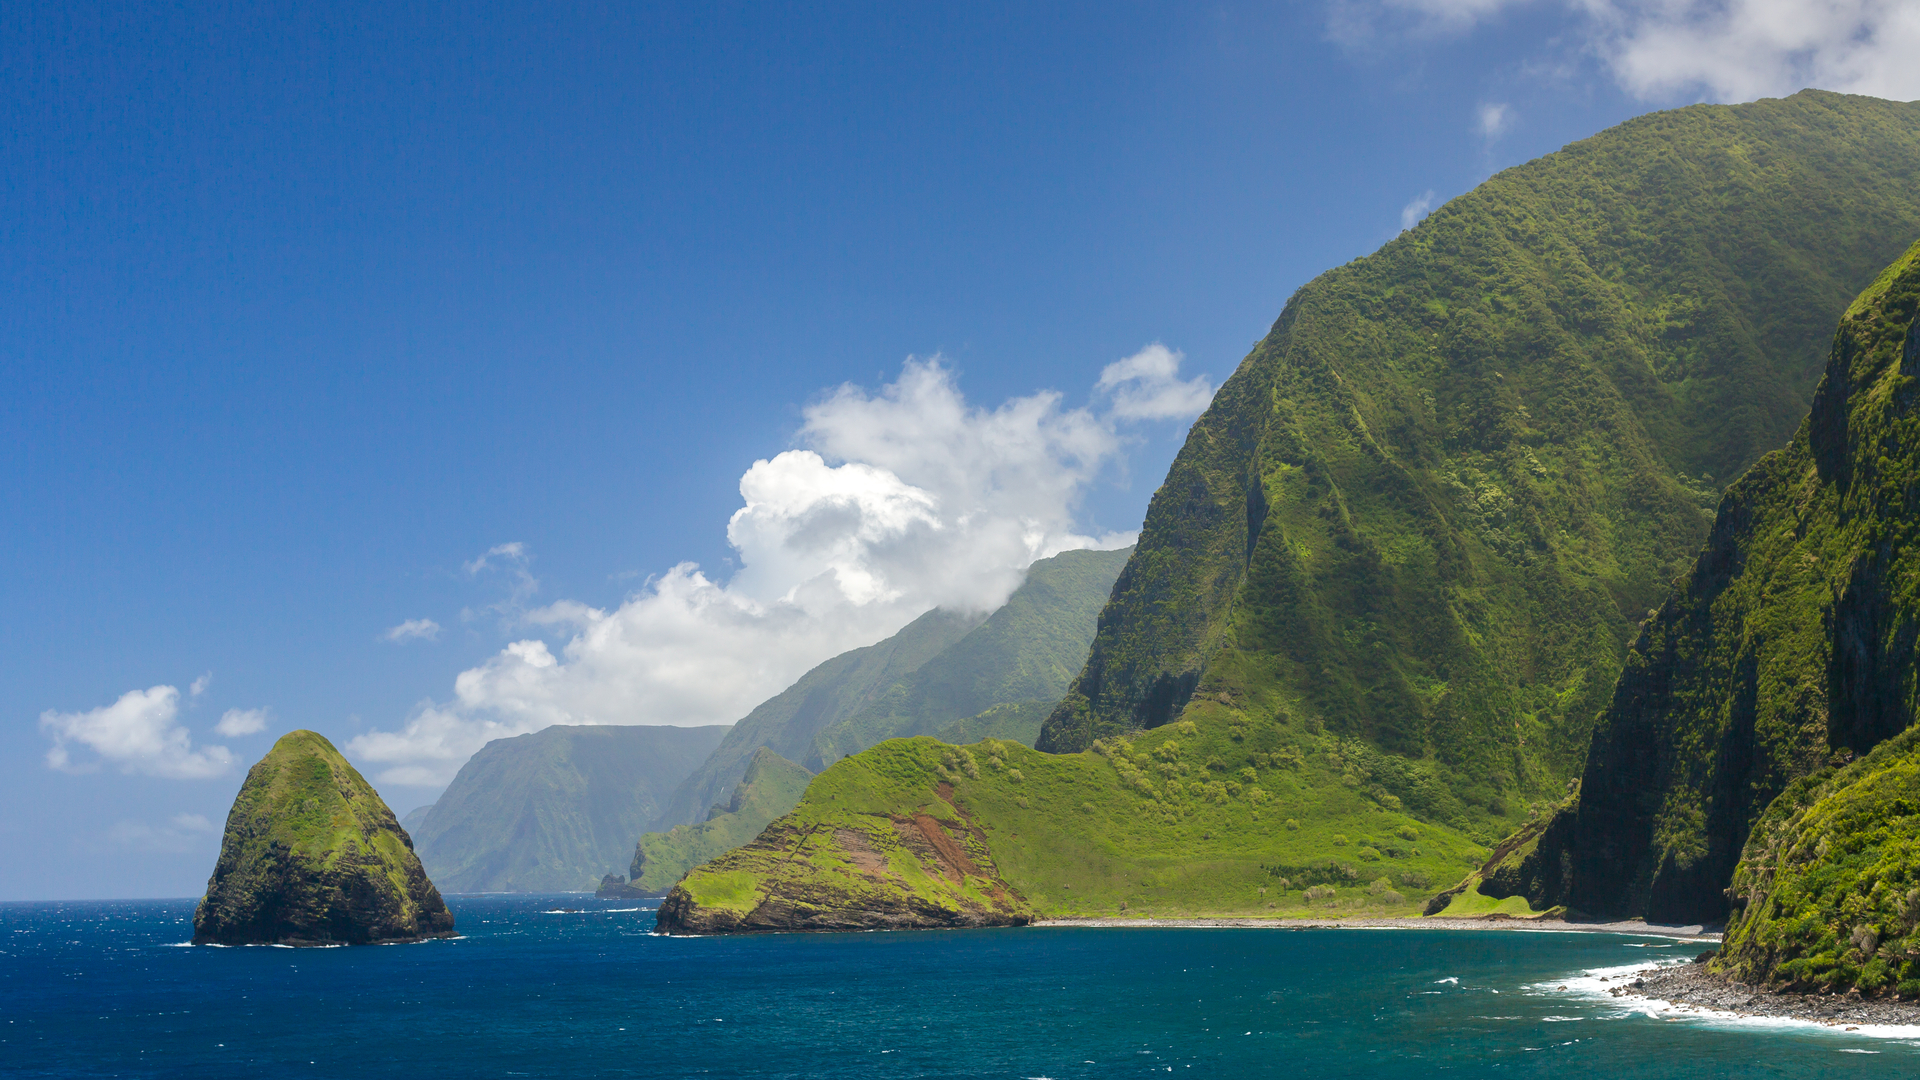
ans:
(237, 722)
(415, 629)
(897, 501)
(178, 834)
(199, 685)
(1418, 208)
(514, 553)
(1494, 120)
(511, 561)
(138, 734)
(1147, 386)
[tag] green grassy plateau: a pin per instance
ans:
(1204, 817)
(312, 855)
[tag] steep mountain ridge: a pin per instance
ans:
(1429, 509)
(1791, 645)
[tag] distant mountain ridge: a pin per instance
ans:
(1026, 651)
(943, 668)
(555, 810)
(787, 722)
(771, 787)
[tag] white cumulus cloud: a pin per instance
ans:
(1738, 50)
(138, 733)
(237, 722)
(1720, 50)
(896, 502)
(413, 630)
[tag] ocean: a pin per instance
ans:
(569, 986)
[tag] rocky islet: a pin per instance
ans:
(312, 856)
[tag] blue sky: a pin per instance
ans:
(349, 349)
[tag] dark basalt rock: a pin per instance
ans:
(615, 887)
(312, 856)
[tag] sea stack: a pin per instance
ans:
(312, 856)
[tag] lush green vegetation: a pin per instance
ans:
(1429, 511)
(311, 853)
(1828, 890)
(555, 810)
(771, 787)
(1212, 815)
(1792, 639)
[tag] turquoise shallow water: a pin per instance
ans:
(103, 989)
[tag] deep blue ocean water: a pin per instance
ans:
(105, 989)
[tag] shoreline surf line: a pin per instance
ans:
(1554, 926)
(1689, 991)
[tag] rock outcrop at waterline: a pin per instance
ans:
(312, 856)
(888, 849)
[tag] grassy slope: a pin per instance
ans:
(556, 809)
(1028, 650)
(304, 806)
(788, 721)
(1793, 637)
(1829, 886)
(1428, 511)
(1209, 816)
(771, 787)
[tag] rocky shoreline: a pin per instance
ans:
(1687, 933)
(1694, 985)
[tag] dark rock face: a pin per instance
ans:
(312, 856)
(1790, 646)
(615, 887)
